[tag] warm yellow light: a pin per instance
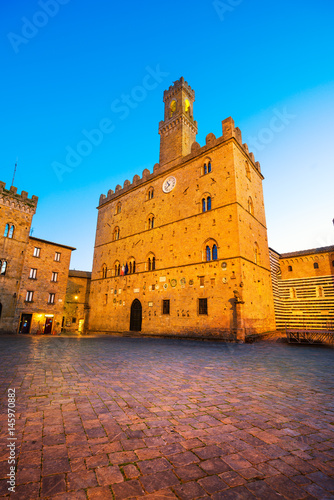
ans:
(186, 105)
(76, 297)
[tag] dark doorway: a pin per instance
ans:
(48, 325)
(136, 316)
(25, 323)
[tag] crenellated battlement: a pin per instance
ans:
(229, 132)
(175, 88)
(10, 197)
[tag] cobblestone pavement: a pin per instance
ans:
(109, 417)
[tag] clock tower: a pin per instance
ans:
(178, 130)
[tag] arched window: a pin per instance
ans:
(250, 206)
(248, 172)
(203, 205)
(289, 268)
(3, 267)
(118, 207)
(150, 222)
(209, 167)
(316, 265)
(116, 233)
(205, 169)
(214, 252)
(117, 268)
(11, 231)
(104, 271)
(256, 254)
(151, 263)
(132, 266)
(208, 253)
(186, 106)
(208, 203)
(150, 193)
(6, 231)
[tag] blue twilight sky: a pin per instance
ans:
(68, 64)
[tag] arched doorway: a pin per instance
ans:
(136, 316)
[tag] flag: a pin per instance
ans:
(122, 270)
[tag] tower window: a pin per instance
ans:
(57, 256)
(203, 306)
(132, 266)
(150, 193)
(172, 108)
(118, 207)
(6, 231)
(206, 204)
(11, 232)
(186, 106)
(165, 306)
(209, 167)
(289, 268)
(54, 277)
(151, 263)
(37, 252)
(33, 274)
(205, 169)
(250, 206)
(117, 268)
(104, 271)
(316, 265)
(150, 222)
(3, 267)
(29, 296)
(211, 252)
(51, 299)
(116, 233)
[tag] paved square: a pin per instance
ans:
(127, 418)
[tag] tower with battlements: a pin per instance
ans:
(182, 250)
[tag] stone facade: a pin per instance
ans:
(190, 237)
(76, 301)
(303, 286)
(44, 275)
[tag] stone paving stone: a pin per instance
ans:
(80, 480)
(51, 485)
(189, 472)
(211, 484)
(189, 491)
(286, 487)
(155, 465)
(99, 493)
(128, 489)
(158, 481)
(237, 493)
(262, 491)
(109, 475)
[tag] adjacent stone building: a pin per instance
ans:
(303, 286)
(33, 272)
(76, 301)
(183, 250)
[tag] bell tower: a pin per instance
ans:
(178, 130)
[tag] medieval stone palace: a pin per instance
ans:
(184, 250)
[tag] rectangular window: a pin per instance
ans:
(33, 274)
(29, 296)
(51, 298)
(202, 306)
(201, 281)
(105, 299)
(57, 256)
(74, 320)
(165, 306)
(54, 277)
(37, 252)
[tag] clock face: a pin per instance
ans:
(169, 184)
